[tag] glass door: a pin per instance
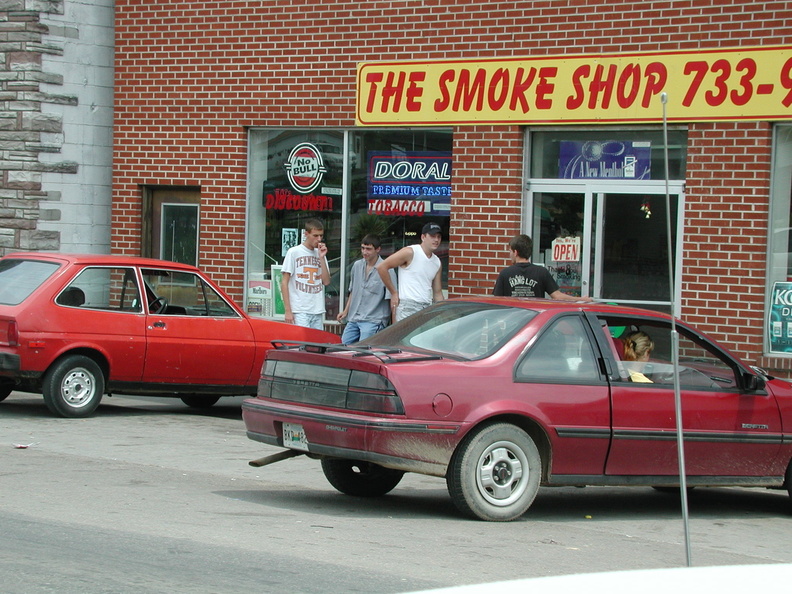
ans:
(631, 256)
(562, 234)
(608, 241)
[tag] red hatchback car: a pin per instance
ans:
(500, 396)
(73, 327)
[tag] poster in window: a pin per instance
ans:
(278, 308)
(289, 238)
(606, 159)
(779, 323)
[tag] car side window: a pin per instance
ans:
(175, 293)
(699, 367)
(109, 289)
(20, 278)
(562, 353)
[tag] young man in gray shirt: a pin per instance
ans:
(367, 308)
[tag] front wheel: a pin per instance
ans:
(360, 479)
(495, 473)
(670, 490)
(73, 387)
(5, 391)
(788, 479)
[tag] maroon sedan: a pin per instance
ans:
(73, 327)
(501, 396)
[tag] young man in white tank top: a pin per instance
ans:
(420, 280)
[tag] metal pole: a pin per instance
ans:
(675, 347)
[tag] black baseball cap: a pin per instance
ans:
(431, 229)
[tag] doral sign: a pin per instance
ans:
(409, 183)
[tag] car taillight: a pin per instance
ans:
(327, 386)
(266, 379)
(11, 337)
(372, 392)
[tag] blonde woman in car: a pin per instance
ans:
(637, 347)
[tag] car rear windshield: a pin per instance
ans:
(19, 278)
(460, 329)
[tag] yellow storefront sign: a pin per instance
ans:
(710, 85)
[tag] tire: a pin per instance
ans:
(5, 391)
(360, 479)
(73, 387)
(670, 490)
(788, 479)
(495, 473)
(200, 401)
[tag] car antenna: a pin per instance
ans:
(675, 346)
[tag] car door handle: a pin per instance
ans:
(159, 324)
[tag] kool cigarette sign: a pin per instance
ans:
(780, 318)
(703, 85)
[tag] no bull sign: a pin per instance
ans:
(566, 249)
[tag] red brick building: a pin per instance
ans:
(214, 99)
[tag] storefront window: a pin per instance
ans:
(400, 180)
(389, 183)
(779, 277)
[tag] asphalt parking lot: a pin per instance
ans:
(149, 495)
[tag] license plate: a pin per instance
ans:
(294, 437)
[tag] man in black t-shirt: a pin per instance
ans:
(524, 279)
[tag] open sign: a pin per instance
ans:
(566, 249)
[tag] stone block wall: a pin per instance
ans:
(55, 125)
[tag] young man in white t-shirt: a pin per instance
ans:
(420, 274)
(305, 275)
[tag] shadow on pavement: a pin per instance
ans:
(20, 404)
(414, 504)
(562, 504)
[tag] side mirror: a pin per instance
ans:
(752, 383)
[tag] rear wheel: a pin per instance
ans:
(495, 473)
(200, 401)
(73, 386)
(360, 479)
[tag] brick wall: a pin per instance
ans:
(487, 207)
(191, 77)
(728, 182)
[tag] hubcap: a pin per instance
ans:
(502, 474)
(77, 387)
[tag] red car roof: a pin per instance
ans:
(556, 305)
(98, 259)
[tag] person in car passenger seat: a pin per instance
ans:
(637, 347)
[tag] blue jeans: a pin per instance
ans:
(309, 320)
(358, 331)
